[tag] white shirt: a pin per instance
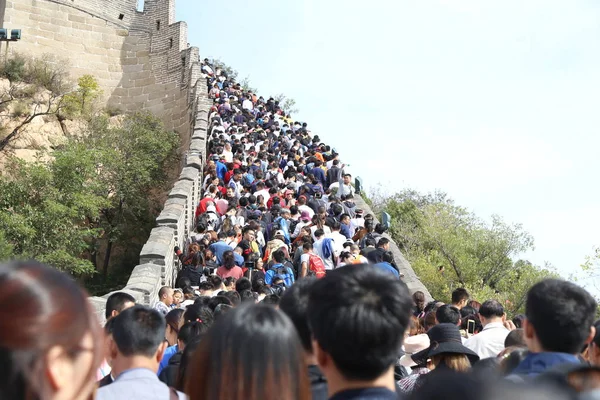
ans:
(247, 105)
(490, 341)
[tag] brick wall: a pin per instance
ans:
(141, 59)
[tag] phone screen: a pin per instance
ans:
(470, 327)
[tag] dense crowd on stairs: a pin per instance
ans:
(287, 291)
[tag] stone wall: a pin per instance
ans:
(158, 263)
(141, 59)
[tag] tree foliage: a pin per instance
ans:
(287, 104)
(97, 192)
(482, 256)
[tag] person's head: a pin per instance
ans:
(177, 297)
(189, 332)
(419, 300)
(228, 259)
(447, 314)
(50, 339)
(272, 356)
(369, 311)
(347, 179)
(429, 320)
(165, 295)
(515, 338)
(206, 288)
(460, 297)
(446, 348)
(229, 283)
(138, 337)
(518, 320)
(243, 284)
(118, 302)
(279, 256)
(384, 243)
(491, 311)
(174, 320)
(271, 299)
(294, 303)
(217, 282)
(560, 315)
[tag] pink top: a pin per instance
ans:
(235, 272)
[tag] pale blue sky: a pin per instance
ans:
(494, 102)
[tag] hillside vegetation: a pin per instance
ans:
(85, 202)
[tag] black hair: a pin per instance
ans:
(206, 286)
(518, 320)
(491, 308)
(191, 331)
(199, 312)
(234, 297)
(467, 310)
(139, 330)
(515, 337)
(247, 296)
(388, 257)
(294, 303)
(108, 327)
(365, 308)
(272, 355)
(447, 314)
(116, 302)
(369, 241)
(216, 281)
(184, 282)
(187, 355)
(279, 255)
(554, 303)
(271, 299)
(459, 295)
(221, 310)
(243, 284)
(382, 242)
(215, 301)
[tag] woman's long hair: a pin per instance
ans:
(41, 308)
(228, 260)
(252, 352)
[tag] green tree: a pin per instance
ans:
(43, 209)
(82, 99)
(134, 160)
(229, 71)
(287, 104)
(433, 232)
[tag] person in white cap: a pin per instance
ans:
(413, 345)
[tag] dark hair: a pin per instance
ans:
(279, 255)
(216, 281)
(199, 312)
(247, 296)
(229, 281)
(447, 314)
(419, 300)
(515, 338)
(220, 310)
(491, 308)
(41, 308)
(368, 310)
(518, 320)
(513, 359)
(272, 355)
(294, 303)
(228, 259)
(382, 242)
(173, 318)
(459, 295)
(116, 302)
(215, 301)
(554, 303)
(234, 297)
(191, 331)
(188, 353)
(139, 330)
(243, 284)
(466, 311)
(271, 299)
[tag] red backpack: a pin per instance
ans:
(316, 267)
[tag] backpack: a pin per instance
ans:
(316, 267)
(281, 271)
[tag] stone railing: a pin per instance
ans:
(158, 264)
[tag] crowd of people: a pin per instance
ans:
(287, 291)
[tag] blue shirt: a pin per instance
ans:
(221, 170)
(218, 249)
(386, 266)
(169, 352)
(288, 277)
(239, 260)
(536, 363)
